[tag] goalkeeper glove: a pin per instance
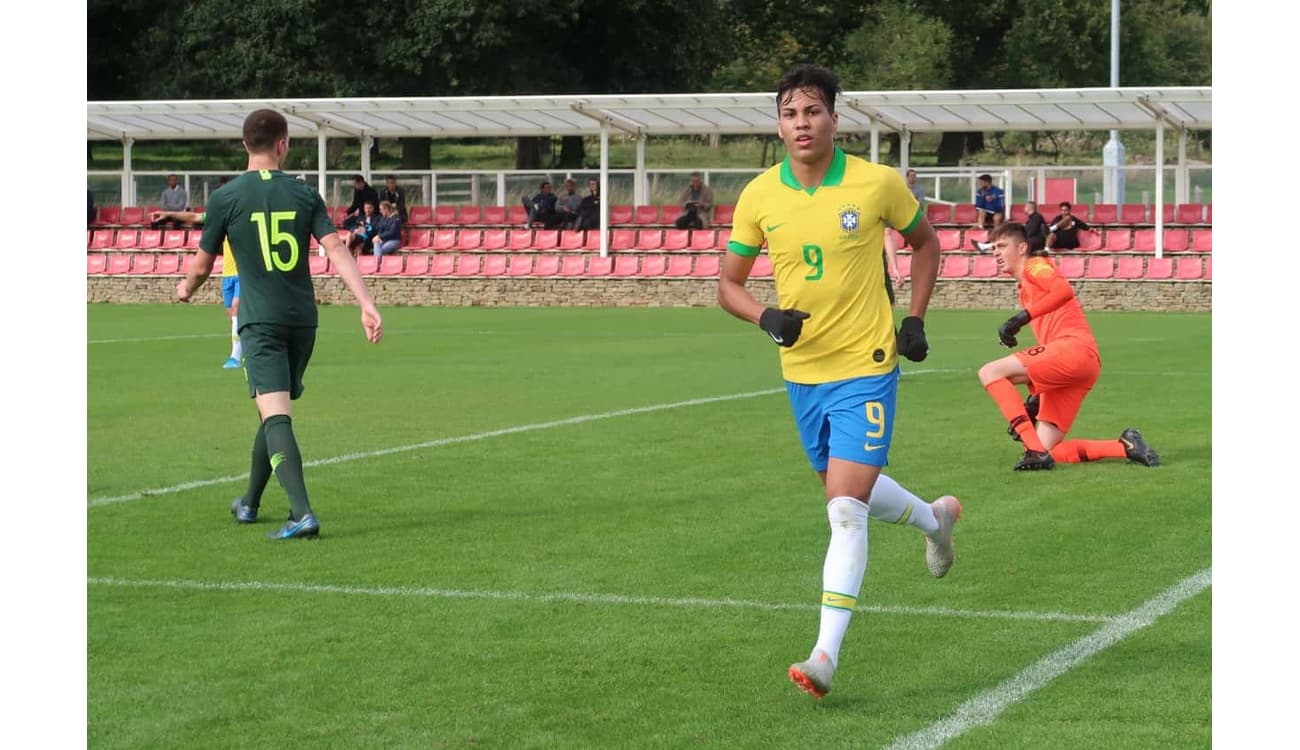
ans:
(911, 339)
(784, 326)
(1007, 332)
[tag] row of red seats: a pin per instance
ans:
(1112, 240)
(1101, 213)
(1098, 267)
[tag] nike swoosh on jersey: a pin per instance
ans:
(773, 228)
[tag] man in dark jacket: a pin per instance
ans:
(394, 195)
(362, 194)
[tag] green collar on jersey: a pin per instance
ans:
(834, 174)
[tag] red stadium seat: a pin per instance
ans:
(703, 240)
(1144, 241)
(1202, 240)
(677, 239)
(979, 235)
(762, 268)
(173, 239)
(516, 214)
(416, 265)
(318, 265)
(1188, 268)
(1082, 211)
(141, 263)
(96, 263)
(620, 215)
(493, 239)
(110, 215)
(626, 265)
(520, 240)
(118, 264)
(496, 215)
(622, 239)
(949, 239)
(546, 239)
(150, 239)
(469, 239)
(520, 265)
(1089, 241)
(391, 265)
(418, 239)
(573, 265)
(650, 239)
(1190, 213)
(1100, 267)
(724, 239)
(338, 214)
(1018, 213)
(1159, 269)
(168, 264)
(1209, 267)
(598, 266)
(495, 265)
(132, 215)
(368, 265)
(1117, 240)
(668, 214)
(679, 265)
(1166, 214)
(102, 239)
(1105, 213)
(570, 240)
(469, 264)
(955, 267)
(546, 265)
(983, 267)
(1071, 266)
(442, 265)
(443, 239)
(1209, 215)
(1132, 213)
(1177, 241)
(192, 239)
(646, 215)
(965, 213)
(707, 265)
(653, 265)
(418, 215)
(470, 215)
(592, 240)
(126, 239)
(938, 213)
(1129, 267)
(443, 215)
(724, 214)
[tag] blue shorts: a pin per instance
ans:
(229, 291)
(850, 419)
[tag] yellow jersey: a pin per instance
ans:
(825, 244)
(228, 267)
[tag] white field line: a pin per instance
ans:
(402, 592)
(984, 708)
(159, 338)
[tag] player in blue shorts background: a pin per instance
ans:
(229, 281)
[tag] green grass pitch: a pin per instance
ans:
(547, 528)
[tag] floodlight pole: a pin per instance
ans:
(1112, 155)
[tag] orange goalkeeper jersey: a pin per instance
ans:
(1054, 311)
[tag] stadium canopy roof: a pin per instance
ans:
(1179, 108)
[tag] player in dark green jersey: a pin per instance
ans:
(270, 218)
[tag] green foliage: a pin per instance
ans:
(897, 47)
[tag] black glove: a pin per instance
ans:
(1007, 332)
(911, 339)
(784, 326)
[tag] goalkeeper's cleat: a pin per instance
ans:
(243, 513)
(1031, 410)
(1136, 448)
(306, 527)
(1035, 461)
(938, 548)
(231, 364)
(814, 675)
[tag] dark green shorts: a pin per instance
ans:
(275, 357)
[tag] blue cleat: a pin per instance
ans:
(306, 527)
(241, 512)
(231, 364)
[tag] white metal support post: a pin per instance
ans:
(128, 177)
(604, 184)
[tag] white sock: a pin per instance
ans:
(846, 563)
(236, 351)
(891, 502)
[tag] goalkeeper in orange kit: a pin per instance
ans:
(1059, 370)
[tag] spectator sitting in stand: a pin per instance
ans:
(567, 204)
(394, 195)
(697, 204)
(1035, 230)
(174, 198)
(990, 204)
(1063, 233)
(541, 208)
(363, 232)
(361, 194)
(589, 209)
(388, 230)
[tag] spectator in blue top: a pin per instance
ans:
(388, 230)
(541, 208)
(990, 204)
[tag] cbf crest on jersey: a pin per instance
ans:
(849, 219)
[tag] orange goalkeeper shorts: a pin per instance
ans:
(1061, 372)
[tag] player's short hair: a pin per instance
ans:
(1015, 231)
(358, 178)
(263, 128)
(1064, 204)
(986, 178)
(809, 76)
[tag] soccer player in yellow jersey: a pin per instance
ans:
(229, 281)
(822, 215)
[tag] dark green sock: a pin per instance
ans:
(286, 462)
(259, 473)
